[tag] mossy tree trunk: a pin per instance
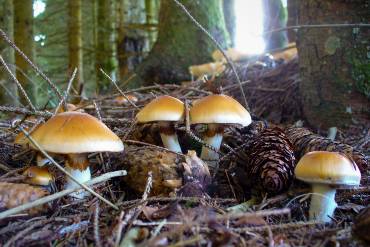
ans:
(23, 37)
(106, 43)
(75, 53)
(181, 43)
(151, 9)
(334, 62)
(8, 89)
(274, 18)
(120, 46)
(230, 19)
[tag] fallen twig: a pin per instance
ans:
(60, 194)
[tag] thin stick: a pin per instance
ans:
(340, 25)
(63, 101)
(18, 84)
(60, 194)
(96, 225)
(218, 47)
(119, 90)
(64, 171)
(11, 43)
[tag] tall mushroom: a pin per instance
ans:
(326, 171)
(74, 134)
(165, 110)
(217, 111)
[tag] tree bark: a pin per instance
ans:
(230, 19)
(106, 43)
(181, 43)
(274, 18)
(334, 62)
(8, 89)
(23, 37)
(75, 42)
(121, 33)
(151, 20)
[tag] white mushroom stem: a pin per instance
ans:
(213, 137)
(169, 137)
(41, 160)
(77, 165)
(322, 202)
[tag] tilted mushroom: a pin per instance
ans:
(74, 134)
(326, 171)
(36, 175)
(165, 110)
(217, 111)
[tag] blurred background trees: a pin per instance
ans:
(149, 41)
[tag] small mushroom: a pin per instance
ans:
(165, 110)
(74, 134)
(121, 100)
(217, 111)
(326, 171)
(36, 175)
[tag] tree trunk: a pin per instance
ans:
(274, 18)
(151, 20)
(75, 42)
(181, 43)
(23, 37)
(230, 19)
(121, 54)
(8, 89)
(292, 19)
(334, 62)
(106, 43)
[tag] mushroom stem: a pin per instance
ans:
(78, 166)
(322, 202)
(169, 137)
(213, 137)
(41, 160)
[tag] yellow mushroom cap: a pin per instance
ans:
(163, 108)
(76, 132)
(327, 168)
(38, 175)
(219, 108)
(21, 139)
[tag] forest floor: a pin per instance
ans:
(170, 220)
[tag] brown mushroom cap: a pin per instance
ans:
(38, 175)
(163, 108)
(76, 132)
(327, 168)
(220, 109)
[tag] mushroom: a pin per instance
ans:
(74, 134)
(217, 111)
(122, 100)
(326, 171)
(165, 110)
(36, 175)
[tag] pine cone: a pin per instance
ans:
(164, 166)
(305, 141)
(269, 161)
(148, 133)
(13, 195)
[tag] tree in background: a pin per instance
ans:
(151, 9)
(24, 39)
(292, 6)
(230, 19)
(106, 42)
(8, 89)
(334, 62)
(181, 43)
(75, 53)
(274, 18)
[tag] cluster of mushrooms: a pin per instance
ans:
(73, 134)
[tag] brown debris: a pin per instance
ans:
(13, 195)
(361, 225)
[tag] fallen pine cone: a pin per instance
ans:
(269, 162)
(361, 224)
(13, 195)
(305, 141)
(187, 173)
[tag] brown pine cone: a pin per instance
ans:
(164, 166)
(13, 195)
(269, 162)
(148, 133)
(305, 141)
